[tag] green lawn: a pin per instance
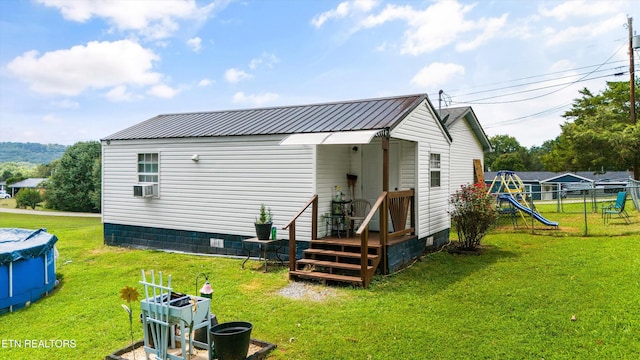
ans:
(515, 301)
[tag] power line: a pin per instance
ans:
(565, 85)
(526, 117)
(549, 93)
(537, 82)
(535, 76)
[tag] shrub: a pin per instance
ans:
(28, 197)
(473, 212)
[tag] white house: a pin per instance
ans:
(469, 145)
(195, 181)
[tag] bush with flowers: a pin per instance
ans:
(473, 212)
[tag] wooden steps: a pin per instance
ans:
(337, 254)
(337, 260)
(332, 264)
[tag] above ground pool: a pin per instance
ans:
(27, 267)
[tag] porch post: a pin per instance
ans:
(384, 210)
(385, 163)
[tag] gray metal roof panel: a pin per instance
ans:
(368, 114)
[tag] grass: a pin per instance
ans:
(515, 301)
(11, 204)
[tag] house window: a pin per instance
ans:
(148, 168)
(434, 163)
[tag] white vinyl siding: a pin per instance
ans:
(408, 166)
(432, 204)
(220, 193)
(464, 149)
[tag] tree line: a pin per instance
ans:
(33, 153)
(74, 182)
(597, 135)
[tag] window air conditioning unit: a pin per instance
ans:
(144, 190)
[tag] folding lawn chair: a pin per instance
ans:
(616, 208)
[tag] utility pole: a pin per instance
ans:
(632, 84)
(632, 98)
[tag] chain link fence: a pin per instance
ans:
(577, 210)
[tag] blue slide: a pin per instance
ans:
(521, 207)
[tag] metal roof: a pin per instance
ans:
(450, 116)
(28, 183)
(368, 114)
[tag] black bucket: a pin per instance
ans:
(231, 340)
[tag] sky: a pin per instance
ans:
(73, 70)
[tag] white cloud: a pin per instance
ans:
(51, 119)
(344, 9)
(255, 99)
(97, 65)
(439, 25)
(490, 29)
(234, 75)
(382, 47)
(266, 59)
(436, 74)
(119, 94)
(66, 104)
(205, 82)
(163, 91)
(580, 9)
(195, 44)
(149, 18)
(580, 33)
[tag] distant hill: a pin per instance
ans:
(30, 152)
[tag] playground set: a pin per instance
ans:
(511, 198)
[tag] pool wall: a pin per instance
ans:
(27, 267)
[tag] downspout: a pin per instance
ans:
(429, 190)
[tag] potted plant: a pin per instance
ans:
(263, 223)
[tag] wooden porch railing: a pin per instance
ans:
(363, 232)
(313, 202)
(400, 202)
(399, 205)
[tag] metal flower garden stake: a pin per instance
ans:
(129, 295)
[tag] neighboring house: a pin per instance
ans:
(31, 183)
(195, 181)
(3, 185)
(469, 145)
(546, 185)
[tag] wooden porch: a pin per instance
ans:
(353, 260)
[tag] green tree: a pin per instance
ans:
(506, 145)
(535, 155)
(28, 197)
(44, 170)
(598, 134)
(511, 161)
(96, 176)
(72, 185)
